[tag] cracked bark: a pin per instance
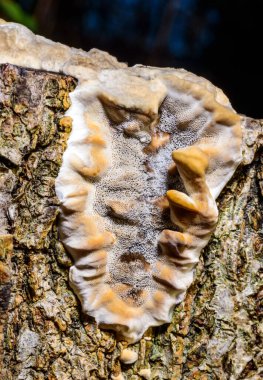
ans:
(215, 332)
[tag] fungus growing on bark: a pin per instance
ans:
(150, 151)
(128, 356)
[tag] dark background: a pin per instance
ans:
(220, 40)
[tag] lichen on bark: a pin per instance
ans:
(215, 333)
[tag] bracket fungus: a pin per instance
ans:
(149, 152)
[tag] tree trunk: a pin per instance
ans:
(215, 333)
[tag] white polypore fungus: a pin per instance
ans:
(128, 356)
(146, 143)
(145, 373)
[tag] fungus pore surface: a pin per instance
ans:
(149, 152)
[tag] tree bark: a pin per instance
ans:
(215, 333)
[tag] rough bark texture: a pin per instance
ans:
(215, 332)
